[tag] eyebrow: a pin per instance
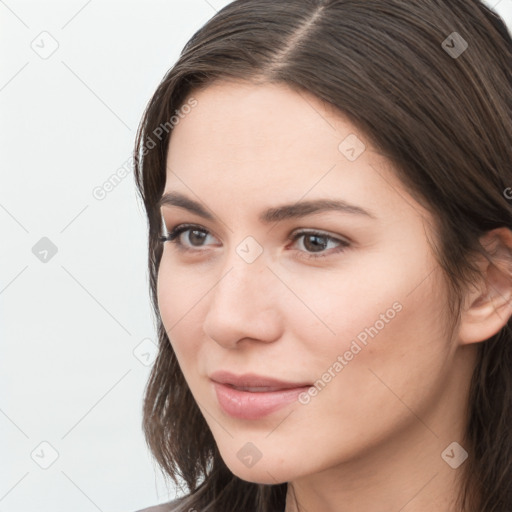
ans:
(280, 213)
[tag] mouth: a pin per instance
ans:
(251, 396)
(255, 389)
(253, 381)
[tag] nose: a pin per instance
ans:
(244, 305)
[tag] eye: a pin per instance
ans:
(315, 243)
(195, 237)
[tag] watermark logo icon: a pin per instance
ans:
(44, 250)
(454, 455)
(454, 45)
(146, 352)
(249, 454)
(45, 45)
(352, 147)
(44, 455)
(249, 249)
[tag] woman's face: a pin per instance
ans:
(357, 317)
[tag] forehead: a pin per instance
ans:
(268, 130)
(269, 144)
(260, 121)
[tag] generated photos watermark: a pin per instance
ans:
(100, 192)
(354, 349)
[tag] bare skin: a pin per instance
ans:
(372, 438)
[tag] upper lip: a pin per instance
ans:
(253, 380)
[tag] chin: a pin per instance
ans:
(266, 472)
(262, 476)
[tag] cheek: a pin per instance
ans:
(390, 348)
(364, 393)
(382, 320)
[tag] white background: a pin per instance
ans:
(72, 326)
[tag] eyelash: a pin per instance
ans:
(175, 233)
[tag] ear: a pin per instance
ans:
(488, 306)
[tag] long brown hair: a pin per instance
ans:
(443, 119)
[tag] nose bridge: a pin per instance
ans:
(242, 304)
(243, 280)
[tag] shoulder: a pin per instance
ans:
(164, 507)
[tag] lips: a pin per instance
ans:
(252, 380)
(252, 396)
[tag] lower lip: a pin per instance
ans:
(249, 405)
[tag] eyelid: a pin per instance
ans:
(320, 232)
(211, 231)
(174, 225)
(187, 225)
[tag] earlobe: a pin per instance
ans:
(488, 307)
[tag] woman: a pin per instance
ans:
(328, 188)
